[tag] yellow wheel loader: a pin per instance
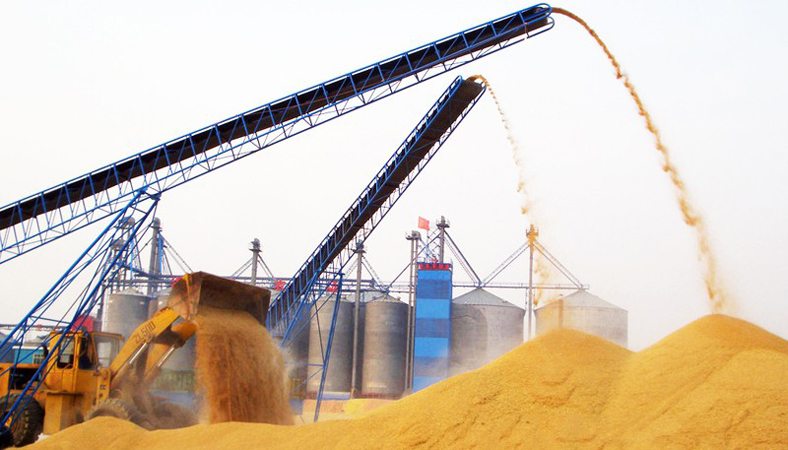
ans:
(97, 374)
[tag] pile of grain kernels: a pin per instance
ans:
(716, 383)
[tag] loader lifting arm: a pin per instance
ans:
(75, 384)
(135, 184)
(148, 348)
(152, 343)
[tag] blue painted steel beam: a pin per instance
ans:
(42, 217)
(109, 264)
(327, 351)
(375, 201)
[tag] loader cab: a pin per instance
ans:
(107, 347)
(76, 351)
(85, 351)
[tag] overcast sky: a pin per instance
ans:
(86, 83)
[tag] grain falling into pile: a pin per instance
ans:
(541, 268)
(526, 206)
(718, 299)
(239, 369)
(717, 383)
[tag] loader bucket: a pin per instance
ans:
(203, 289)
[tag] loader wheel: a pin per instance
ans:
(121, 409)
(30, 421)
(171, 415)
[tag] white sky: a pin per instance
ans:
(85, 84)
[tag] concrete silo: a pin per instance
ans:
(385, 335)
(483, 327)
(585, 312)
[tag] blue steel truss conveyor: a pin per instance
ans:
(42, 217)
(374, 202)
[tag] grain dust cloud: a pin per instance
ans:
(239, 369)
(542, 270)
(718, 299)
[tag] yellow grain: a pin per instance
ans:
(719, 382)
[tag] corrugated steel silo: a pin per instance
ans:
(385, 335)
(340, 362)
(585, 312)
(160, 302)
(124, 311)
(296, 353)
(483, 327)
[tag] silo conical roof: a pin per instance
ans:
(582, 298)
(479, 296)
(129, 291)
(383, 297)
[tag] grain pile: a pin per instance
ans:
(239, 369)
(717, 383)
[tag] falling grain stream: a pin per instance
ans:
(719, 301)
(541, 269)
(240, 369)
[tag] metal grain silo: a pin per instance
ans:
(483, 327)
(296, 352)
(158, 301)
(124, 311)
(340, 362)
(385, 335)
(585, 312)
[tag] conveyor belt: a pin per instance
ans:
(390, 70)
(448, 109)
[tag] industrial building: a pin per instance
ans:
(398, 349)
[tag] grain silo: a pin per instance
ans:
(296, 352)
(340, 364)
(585, 312)
(483, 327)
(385, 335)
(158, 301)
(124, 311)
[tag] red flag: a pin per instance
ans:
(424, 223)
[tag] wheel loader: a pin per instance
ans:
(93, 374)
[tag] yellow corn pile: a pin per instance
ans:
(717, 383)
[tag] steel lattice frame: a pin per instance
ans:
(55, 212)
(107, 263)
(132, 184)
(304, 293)
(332, 254)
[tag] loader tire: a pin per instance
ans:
(30, 421)
(171, 415)
(120, 409)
